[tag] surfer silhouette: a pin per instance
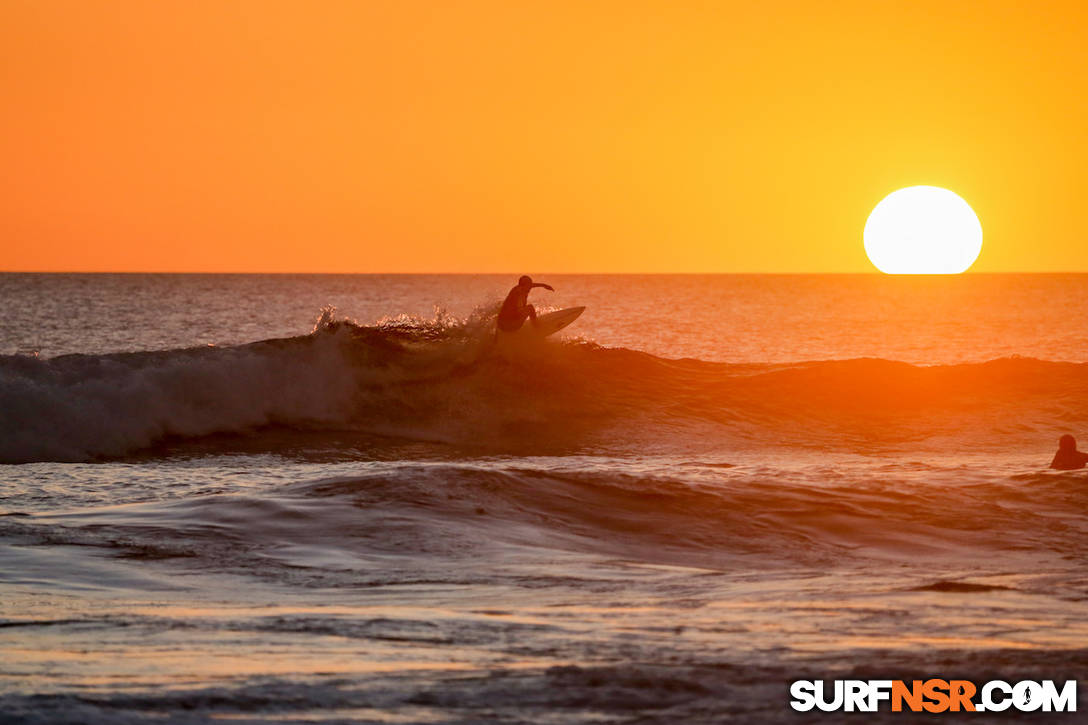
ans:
(1068, 458)
(516, 307)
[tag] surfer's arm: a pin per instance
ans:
(545, 286)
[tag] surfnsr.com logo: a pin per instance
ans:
(933, 696)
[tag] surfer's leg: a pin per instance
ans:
(512, 323)
(532, 313)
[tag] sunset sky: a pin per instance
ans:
(541, 137)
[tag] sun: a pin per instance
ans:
(923, 230)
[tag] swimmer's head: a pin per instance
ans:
(1067, 443)
(525, 281)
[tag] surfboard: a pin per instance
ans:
(548, 323)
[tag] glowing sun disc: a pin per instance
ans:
(923, 230)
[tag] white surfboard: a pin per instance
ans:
(546, 324)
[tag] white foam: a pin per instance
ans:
(81, 407)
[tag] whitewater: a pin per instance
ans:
(331, 498)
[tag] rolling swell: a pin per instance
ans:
(317, 532)
(444, 382)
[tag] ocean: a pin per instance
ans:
(332, 498)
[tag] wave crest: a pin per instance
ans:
(442, 379)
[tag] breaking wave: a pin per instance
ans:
(445, 380)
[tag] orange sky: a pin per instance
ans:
(510, 136)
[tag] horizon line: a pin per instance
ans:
(873, 273)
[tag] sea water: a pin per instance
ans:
(330, 498)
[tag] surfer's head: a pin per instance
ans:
(1067, 443)
(525, 281)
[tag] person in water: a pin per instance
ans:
(516, 307)
(1068, 458)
